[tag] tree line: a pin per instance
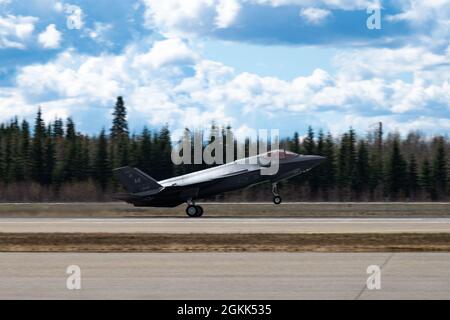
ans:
(55, 162)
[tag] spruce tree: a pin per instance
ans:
(347, 160)
(329, 167)
(72, 156)
(376, 162)
(296, 143)
(396, 178)
(134, 151)
(317, 176)
(362, 171)
(310, 148)
(8, 157)
(49, 161)
(145, 152)
(413, 177)
(119, 135)
(164, 154)
(25, 149)
(440, 174)
(2, 159)
(17, 169)
(426, 179)
(58, 128)
(120, 123)
(343, 162)
(37, 149)
(309, 145)
(102, 167)
(84, 158)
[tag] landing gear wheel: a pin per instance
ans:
(276, 196)
(277, 200)
(192, 211)
(199, 211)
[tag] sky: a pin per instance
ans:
(251, 64)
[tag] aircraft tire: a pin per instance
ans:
(199, 211)
(192, 211)
(277, 200)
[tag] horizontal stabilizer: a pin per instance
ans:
(136, 181)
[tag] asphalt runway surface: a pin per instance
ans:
(225, 225)
(225, 276)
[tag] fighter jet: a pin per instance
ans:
(144, 191)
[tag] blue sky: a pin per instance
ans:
(273, 64)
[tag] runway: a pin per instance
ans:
(225, 225)
(226, 276)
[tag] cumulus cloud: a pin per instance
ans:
(407, 86)
(273, 21)
(15, 31)
(99, 32)
(227, 11)
(392, 63)
(50, 38)
(214, 91)
(166, 52)
(177, 17)
(12, 103)
(95, 80)
(170, 82)
(421, 11)
(333, 4)
(314, 15)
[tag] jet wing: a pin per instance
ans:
(209, 180)
(231, 174)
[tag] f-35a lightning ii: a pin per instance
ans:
(144, 191)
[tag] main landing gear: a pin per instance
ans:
(276, 196)
(194, 211)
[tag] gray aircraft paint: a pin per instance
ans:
(144, 191)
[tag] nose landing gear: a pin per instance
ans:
(276, 196)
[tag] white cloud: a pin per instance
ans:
(74, 76)
(197, 17)
(367, 87)
(15, 31)
(332, 4)
(315, 15)
(176, 18)
(58, 6)
(50, 38)
(166, 52)
(429, 17)
(227, 12)
(180, 17)
(99, 32)
(388, 63)
(421, 11)
(12, 103)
